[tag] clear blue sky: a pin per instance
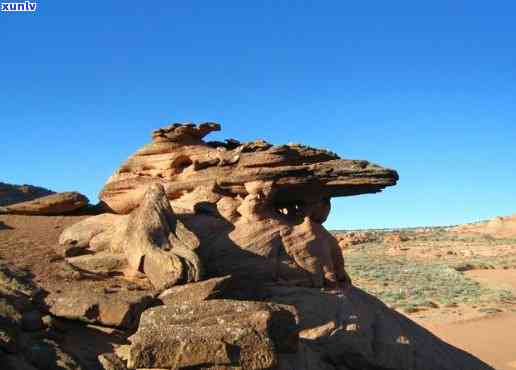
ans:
(428, 89)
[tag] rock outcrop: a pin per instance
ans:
(11, 194)
(216, 258)
(150, 241)
(350, 238)
(180, 160)
(256, 209)
(54, 204)
(27, 338)
(250, 335)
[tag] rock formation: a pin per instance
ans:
(11, 194)
(53, 204)
(256, 208)
(303, 177)
(216, 258)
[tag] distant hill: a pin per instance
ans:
(498, 227)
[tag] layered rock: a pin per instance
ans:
(11, 194)
(248, 219)
(180, 160)
(54, 204)
(256, 208)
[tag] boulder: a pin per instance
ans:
(225, 287)
(80, 234)
(350, 238)
(119, 308)
(213, 333)
(12, 194)
(54, 204)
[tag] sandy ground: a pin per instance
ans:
(497, 278)
(491, 339)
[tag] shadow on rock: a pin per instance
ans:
(357, 330)
(4, 226)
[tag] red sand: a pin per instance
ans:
(493, 339)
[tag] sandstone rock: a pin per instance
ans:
(120, 308)
(156, 243)
(181, 161)
(196, 292)
(255, 210)
(12, 194)
(226, 287)
(395, 241)
(22, 332)
(358, 331)
(350, 238)
(213, 333)
(99, 263)
(80, 234)
(54, 204)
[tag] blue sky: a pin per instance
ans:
(428, 89)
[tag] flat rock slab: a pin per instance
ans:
(11, 193)
(117, 308)
(54, 204)
(99, 263)
(213, 333)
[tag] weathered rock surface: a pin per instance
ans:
(180, 160)
(188, 210)
(213, 333)
(119, 308)
(151, 240)
(358, 331)
(54, 204)
(11, 194)
(225, 287)
(80, 235)
(157, 243)
(26, 342)
(350, 238)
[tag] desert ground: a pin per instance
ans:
(458, 282)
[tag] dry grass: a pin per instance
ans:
(427, 271)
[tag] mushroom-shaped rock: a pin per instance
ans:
(180, 160)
